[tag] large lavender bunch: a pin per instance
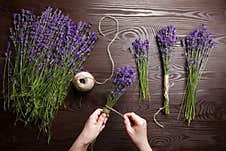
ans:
(166, 39)
(197, 47)
(123, 79)
(47, 51)
(140, 52)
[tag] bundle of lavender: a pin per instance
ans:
(123, 79)
(166, 39)
(140, 52)
(47, 51)
(197, 47)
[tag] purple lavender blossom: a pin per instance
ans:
(166, 39)
(140, 49)
(57, 37)
(197, 46)
(124, 78)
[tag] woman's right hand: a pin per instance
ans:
(136, 128)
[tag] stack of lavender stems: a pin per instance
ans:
(197, 48)
(141, 52)
(45, 53)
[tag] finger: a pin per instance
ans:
(96, 113)
(131, 119)
(101, 129)
(135, 118)
(127, 123)
(108, 115)
(101, 120)
(105, 121)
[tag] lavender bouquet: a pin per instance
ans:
(140, 52)
(123, 79)
(46, 52)
(197, 47)
(166, 39)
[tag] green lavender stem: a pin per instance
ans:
(143, 79)
(190, 95)
(26, 95)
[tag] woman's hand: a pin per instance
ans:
(93, 126)
(136, 128)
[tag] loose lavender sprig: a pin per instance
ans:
(197, 47)
(123, 79)
(47, 50)
(140, 52)
(166, 39)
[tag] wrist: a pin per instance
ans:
(144, 146)
(79, 145)
(82, 139)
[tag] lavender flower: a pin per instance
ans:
(197, 47)
(140, 49)
(166, 39)
(140, 52)
(49, 49)
(123, 79)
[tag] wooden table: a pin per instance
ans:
(137, 18)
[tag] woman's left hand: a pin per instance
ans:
(93, 126)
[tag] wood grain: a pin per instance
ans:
(137, 19)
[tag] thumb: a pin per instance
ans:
(101, 120)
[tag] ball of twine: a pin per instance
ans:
(83, 81)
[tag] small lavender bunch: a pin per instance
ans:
(166, 39)
(47, 51)
(197, 47)
(123, 79)
(140, 52)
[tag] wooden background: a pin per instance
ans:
(137, 18)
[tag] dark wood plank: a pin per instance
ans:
(137, 19)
